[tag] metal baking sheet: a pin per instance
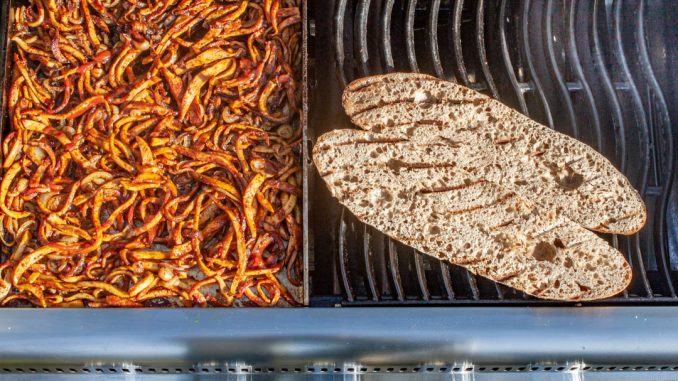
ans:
(300, 293)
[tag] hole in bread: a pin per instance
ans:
(544, 251)
(583, 288)
(568, 263)
(558, 243)
(571, 181)
(556, 284)
(410, 131)
(467, 246)
(395, 165)
(434, 230)
(388, 197)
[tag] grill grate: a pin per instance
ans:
(597, 70)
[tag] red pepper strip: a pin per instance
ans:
(289, 22)
(274, 15)
(68, 91)
(115, 301)
(27, 48)
(198, 81)
(281, 185)
(103, 286)
(207, 57)
(219, 158)
(42, 95)
(79, 109)
(96, 4)
(147, 159)
(28, 261)
(229, 190)
(14, 151)
(243, 254)
(283, 291)
(5, 284)
(248, 202)
(263, 106)
(293, 247)
(145, 283)
(261, 199)
(257, 253)
(266, 286)
(39, 18)
(91, 31)
(56, 52)
(36, 291)
(7, 180)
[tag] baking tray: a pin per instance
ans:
(299, 293)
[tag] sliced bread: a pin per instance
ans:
(454, 215)
(452, 124)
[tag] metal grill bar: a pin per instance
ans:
(421, 275)
(530, 60)
(434, 10)
(447, 280)
(369, 269)
(395, 270)
(409, 35)
(473, 284)
(480, 42)
(387, 12)
(456, 42)
(575, 63)
(344, 254)
(506, 56)
(362, 13)
(549, 36)
(609, 88)
(340, 51)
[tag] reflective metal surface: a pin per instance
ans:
(363, 337)
(617, 376)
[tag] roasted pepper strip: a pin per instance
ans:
(146, 158)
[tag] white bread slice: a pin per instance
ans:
(454, 215)
(501, 145)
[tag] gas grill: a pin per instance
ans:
(599, 70)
